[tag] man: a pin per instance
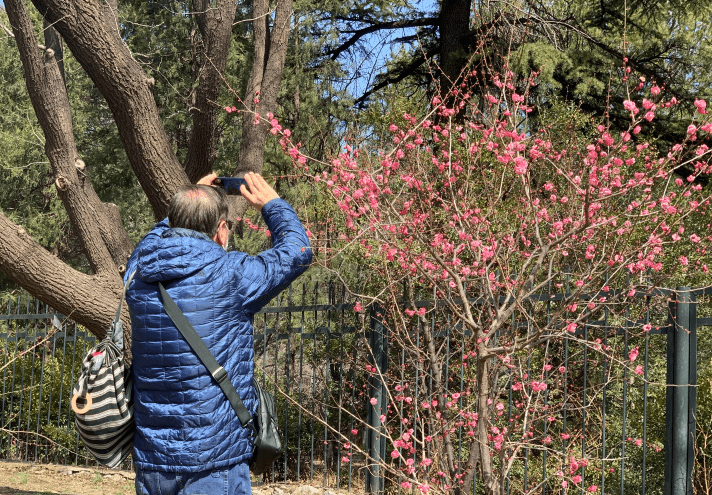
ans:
(188, 438)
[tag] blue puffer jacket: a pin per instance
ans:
(184, 423)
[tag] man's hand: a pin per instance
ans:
(207, 180)
(260, 193)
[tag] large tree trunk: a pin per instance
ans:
(90, 300)
(51, 104)
(270, 53)
(215, 24)
(454, 30)
(91, 31)
(98, 226)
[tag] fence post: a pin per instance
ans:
(681, 400)
(375, 439)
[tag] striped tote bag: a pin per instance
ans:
(101, 398)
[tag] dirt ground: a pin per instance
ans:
(48, 479)
(22, 478)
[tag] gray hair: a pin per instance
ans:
(198, 207)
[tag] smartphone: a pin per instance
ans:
(230, 184)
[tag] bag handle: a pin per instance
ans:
(199, 347)
(116, 332)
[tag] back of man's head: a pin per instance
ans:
(198, 207)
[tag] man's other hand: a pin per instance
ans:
(259, 193)
(207, 180)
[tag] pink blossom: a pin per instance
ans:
(647, 327)
(374, 401)
(424, 488)
(629, 105)
(593, 488)
(701, 105)
(633, 354)
(345, 459)
(691, 129)
(577, 479)
(683, 260)
(655, 91)
(228, 109)
(638, 370)
(405, 485)
(395, 454)
(358, 308)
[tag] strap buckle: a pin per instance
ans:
(220, 374)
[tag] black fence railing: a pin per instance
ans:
(326, 364)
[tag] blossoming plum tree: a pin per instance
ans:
(497, 242)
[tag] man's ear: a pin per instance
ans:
(221, 235)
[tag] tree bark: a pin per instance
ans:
(49, 98)
(91, 32)
(454, 30)
(270, 52)
(215, 24)
(90, 300)
(54, 41)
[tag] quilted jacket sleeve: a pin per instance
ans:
(133, 259)
(268, 273)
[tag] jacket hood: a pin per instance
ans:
(176, 254)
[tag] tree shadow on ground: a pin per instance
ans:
(6, 490)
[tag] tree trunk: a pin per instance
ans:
(91, 32)
(263, 87)
(454, 29)
(49, 98)
(90, 300)
(215, 24)
(54, 41)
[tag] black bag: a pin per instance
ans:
(104, 417)
(266, 441)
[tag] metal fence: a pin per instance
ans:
(315, 353)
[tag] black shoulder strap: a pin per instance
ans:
(199, 347)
